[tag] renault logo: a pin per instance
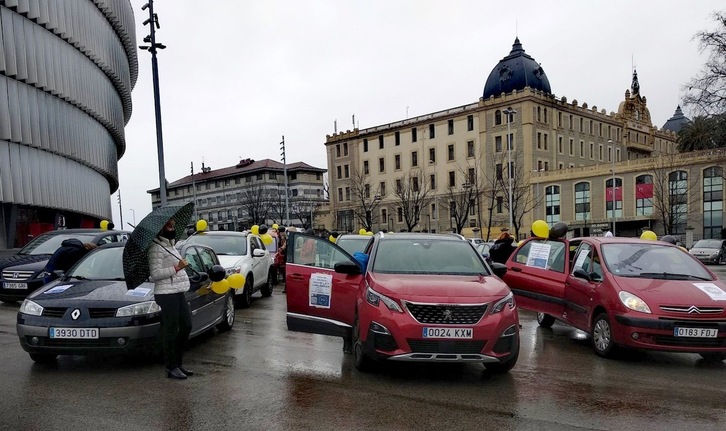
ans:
(694, 309)
(447, 315)
(76, 314)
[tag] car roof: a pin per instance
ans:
(73, 231)
(420, 236)
(221, 233)
(353, 236)
(618, 240)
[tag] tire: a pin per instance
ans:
(545, 320)
(362, 362)
(245, 299)
(602, 336)
(713, 356)
(502, 367)
(227, 314)
(266, 289)
(43, 358)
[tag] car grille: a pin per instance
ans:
(97, 313)
(446, 346)
(446, 314)
(666, 340)
(17, 275)
(54, 311)
(691, 309)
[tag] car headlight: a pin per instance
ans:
(499, 305)
(148, 307)
(374, 298)
(633, 302)
(31, 308)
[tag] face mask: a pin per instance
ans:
(169, 234)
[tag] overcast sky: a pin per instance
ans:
(237, 75)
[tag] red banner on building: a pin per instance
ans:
(643, 191)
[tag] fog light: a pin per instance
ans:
(379, 329)
(510, 331)
(34, 341)
(635, 335)
(121, 341)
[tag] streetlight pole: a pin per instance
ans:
(194, 191)
(509, 111)
(612, 156)
(134, 214)
(151, 38)
(287, 193)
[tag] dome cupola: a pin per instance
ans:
(515, 72)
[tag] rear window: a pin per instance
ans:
(427, 256)
(48, 244)
(223, 245)
(708, 243)
(351, 245)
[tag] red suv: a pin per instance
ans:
(410, 297)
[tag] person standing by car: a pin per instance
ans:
(67, 255)
(170, 282)
(502, 248)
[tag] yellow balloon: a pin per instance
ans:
(104, 224)
(331, 238)
(369, 233)
(649, 234)
(275, 226)
(266, 238)
(236, 281)
(540, 229)
(201, 225)
(683, 248)
(220, 287)
(362, 231)
(255, 229)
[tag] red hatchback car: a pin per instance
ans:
(624, 292)
(419, 297)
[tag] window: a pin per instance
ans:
(272, 175)
(339, 172)
(582, 122)
(592, 150)
(539, 113)
(471, 176)
(380, 142)
(500, 204)
(398, 138)
(433, 181)
(712, 202)
(582, 201)
(400, 214)
(432, 131)
(294, 192)
(539, 140)
(499, 171)
(589, 123)
(345, 149)
(511, 172)
(384, 215)
(414, 158)
(347, 193)
(451, 152)
(452, 179)
(237, 180)
(469, 123)
(572, 147)
(552, 204)
(399, 186)
(217, 184)
(337, 150)
(381, 165)
(365, 145)
(414, 182)
(470, 149)
(498, 144)
(582, 149)
(414, 135)
(382, 187)
(497, 117)
(644, 195)
(451, 127)
(559, 119)
(432, 155)
(346, 168)
(397, 159)
(545, 139)
(259, 176)
(433, 211)
(208, 186)
(366, 170)
(572, 123)
(678, 189)
(613, 195)
(545, 115)
(248, 179)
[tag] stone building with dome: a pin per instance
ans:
(451, 170)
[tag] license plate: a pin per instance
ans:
(74, 333)
(7, 285)
(695, 332)
(448, 333)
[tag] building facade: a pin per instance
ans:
(251, 192)
(553, 159)
(67, 69)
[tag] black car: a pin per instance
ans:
(90, 309)
(23, 273)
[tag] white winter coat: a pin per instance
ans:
(161, 265)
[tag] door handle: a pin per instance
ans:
(296, 277)
(515, 269)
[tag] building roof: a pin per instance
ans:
(515, 72)
(677, 121)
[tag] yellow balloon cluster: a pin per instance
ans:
(267, 238)
(369, 233)
(236, 281)
(650, 235)
(255, 229)
(540, 229)
(104, 224)
(201, 225)
(275, 226)
(331, 238)
(220, 287)
(362, 231)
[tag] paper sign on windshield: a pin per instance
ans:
(581, 258)
(58, 289)
(319, 290)
(139, 292)
(539, 254)
(713, 291)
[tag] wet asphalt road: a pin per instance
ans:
(259, 376)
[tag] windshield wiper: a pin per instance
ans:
(78, 277)
(672, 275)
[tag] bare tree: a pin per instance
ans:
(277, 203)
(462, 201)
(256, 203)
(523, 199)
(412, 194)
(493, 186)
(673, 193)
(707, 91)
(366, 199)
(306, 211)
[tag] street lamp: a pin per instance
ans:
(536, 191)
(134, 214)
(612, 156)
(509, 111)
(287, 192)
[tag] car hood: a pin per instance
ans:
(229, 261)
(673, 292)
(25, 262)
(444, 288)
(109, 292)
(704, 250)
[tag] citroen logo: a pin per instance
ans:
(447, 315)
(694, 309)
(76, 314)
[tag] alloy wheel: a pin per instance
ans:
(602, 338)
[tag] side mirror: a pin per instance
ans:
(217, 273)
(347, 267)
(594, 276)
(199, 277)
(581, 273)
(258, 252)
(499, 269)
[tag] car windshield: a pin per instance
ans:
(708, 243)
(652, 261)
(483, 248)
(102, 264)
(427, 256)
(223, 245)
(351, 245)
(48, 244)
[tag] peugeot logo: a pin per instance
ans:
(76, 314)
(694, 309)
(447, 315)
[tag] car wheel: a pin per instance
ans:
(602, 336)
(545, 320)
(362, 362)
(227, 314)
(43, 358)
(713, 356)
(266, 290)
(245, 299)
(502, 367)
